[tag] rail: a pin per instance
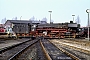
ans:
(16, 50)
(15, 55)
(46, 53)
(74, 51)
(9, 47)
(71, 55)
(53, 51)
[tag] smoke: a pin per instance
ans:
(15, 18)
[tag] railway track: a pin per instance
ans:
(34, 52)
(13, 52)
(29, 53)
(57, 54)
(12, 46)
(78, 41)
(40, 52)
(81, 55)
(78, 44)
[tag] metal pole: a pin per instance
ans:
(73, 19)
(20, 17)
(20, 25)
(88, 26)
(50, 18)
(50, 15)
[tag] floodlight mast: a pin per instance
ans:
(88, 11)
(50, 15)
(73, 17)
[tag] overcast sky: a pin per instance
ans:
(62, 10)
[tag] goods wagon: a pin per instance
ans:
(7, 33)
(3, 34)
(84, 32)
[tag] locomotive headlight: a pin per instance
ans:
(34, 26)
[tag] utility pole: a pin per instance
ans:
(20, 24)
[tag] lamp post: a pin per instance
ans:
(73, 17)
(50, 15)
(88, 11)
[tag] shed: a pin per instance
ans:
(19, 26)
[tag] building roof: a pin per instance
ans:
(20, 21)
(27, 21)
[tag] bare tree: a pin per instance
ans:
(44, 19)
(32, 18)
(12, 18)
(15, 18)
(78, 20)
(3, 20)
